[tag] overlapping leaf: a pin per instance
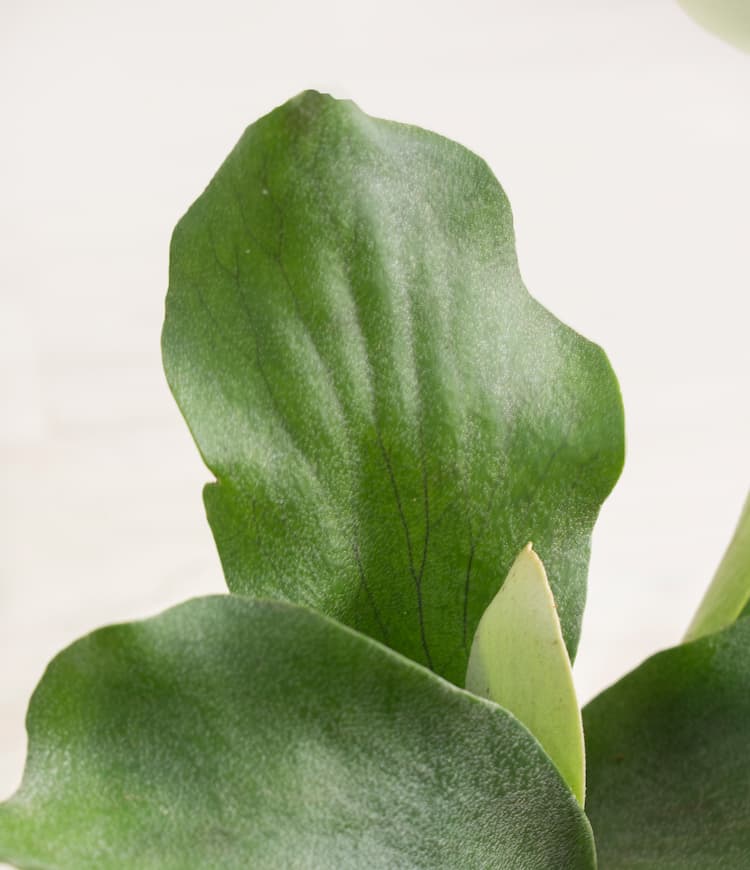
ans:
(668, 759)
(232, 733)
(389, 415)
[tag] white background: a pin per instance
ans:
(621, 133)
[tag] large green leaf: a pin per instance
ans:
(389, 415)
(728, 596)
(232, 733)
(668, 759)
(518, 659)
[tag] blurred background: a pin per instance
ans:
(621, 133)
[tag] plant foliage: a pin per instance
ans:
(390, 418)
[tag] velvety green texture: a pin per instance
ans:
(668, 759)
(389, 415)
(231, 733)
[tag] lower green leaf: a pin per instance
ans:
(235, 733)
(668, 759)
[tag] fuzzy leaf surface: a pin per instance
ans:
(388, 414)
(668, 759)
(233, 733)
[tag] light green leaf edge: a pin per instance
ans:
(727, 597)
(518, 660)
(389, 415)
(668, 759)
(235, 733)
(727, 19)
